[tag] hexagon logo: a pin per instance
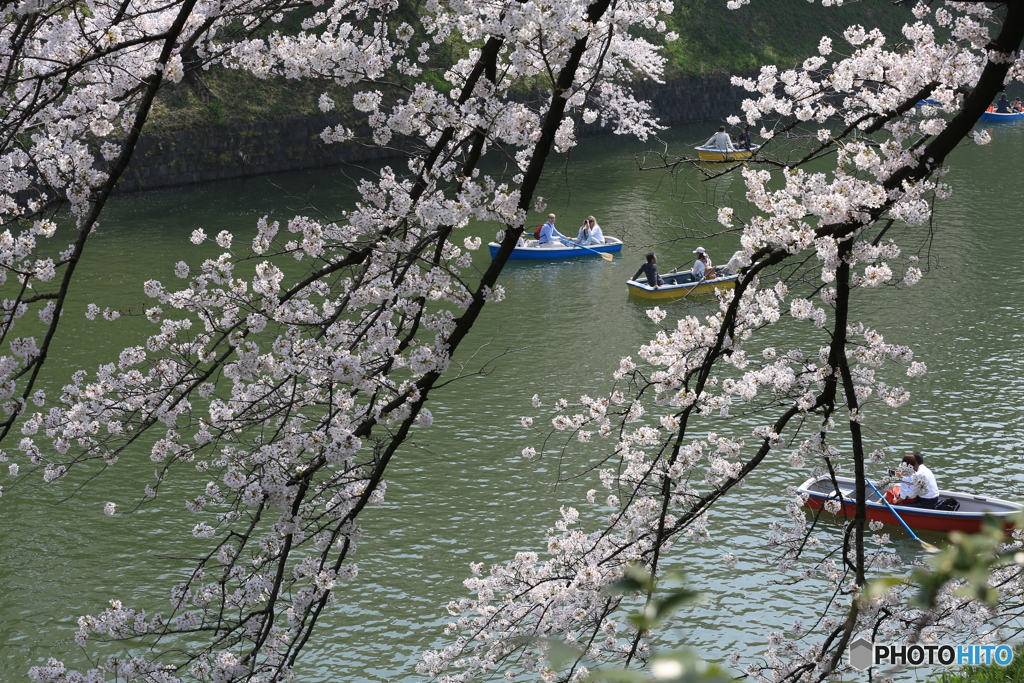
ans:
(861, 654)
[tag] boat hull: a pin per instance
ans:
(992, 116)
(705, 153)
(532, 252)
(679, 290)
(968, 519)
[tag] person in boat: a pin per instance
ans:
(650, 269)
(1017, 105)
(1003, 105)
(721, 140)
(918, 488)
(590, 232)
(549, 235)
(702, 268)
(743, 140)
(735, 263)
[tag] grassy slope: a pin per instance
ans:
(240, 98)
(987, 674)
(713, 41)
(716, 40)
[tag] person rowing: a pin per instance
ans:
(918, 487)
(650, 269)
(721, 140)
(549, 235)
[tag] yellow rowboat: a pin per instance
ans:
(705, 153)
(679, 286)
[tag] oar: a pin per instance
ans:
(606, 257)
(927, 546)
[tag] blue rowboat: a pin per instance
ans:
(534, 251)
(992, 116)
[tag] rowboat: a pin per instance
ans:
(966, 515)
(680, 285)
(533, 250)
(705, 153)
(992, 116)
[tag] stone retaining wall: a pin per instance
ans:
(199, 156)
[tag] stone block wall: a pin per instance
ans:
(199, 156)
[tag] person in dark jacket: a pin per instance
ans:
(743, 140)
(650, 269)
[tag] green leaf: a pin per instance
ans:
(685, 666)
(674, 600)
(624, 586)
(876, 588)
(618, 676)
(640, 621)
(560, 653)
(635, 579)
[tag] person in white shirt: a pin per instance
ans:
(701, 265)
(590, 232)
(918, 489)
(735, 263)
(721, 140)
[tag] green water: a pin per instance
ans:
(460, 492)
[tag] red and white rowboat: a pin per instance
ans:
(967, 517)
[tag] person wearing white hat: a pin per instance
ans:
(701, 265)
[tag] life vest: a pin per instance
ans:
(990, 108)
(536, 232)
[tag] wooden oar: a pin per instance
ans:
(927, 546)
(606, 257)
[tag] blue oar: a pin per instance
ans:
(927, 546)
(606, 257)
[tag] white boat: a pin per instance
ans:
(706, 153)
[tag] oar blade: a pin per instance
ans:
(607, 257)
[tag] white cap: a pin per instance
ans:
(699, 250)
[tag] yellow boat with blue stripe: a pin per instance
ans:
(706, 153)
(680, 286)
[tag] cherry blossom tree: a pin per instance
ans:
(290, 369)
(823, 237)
